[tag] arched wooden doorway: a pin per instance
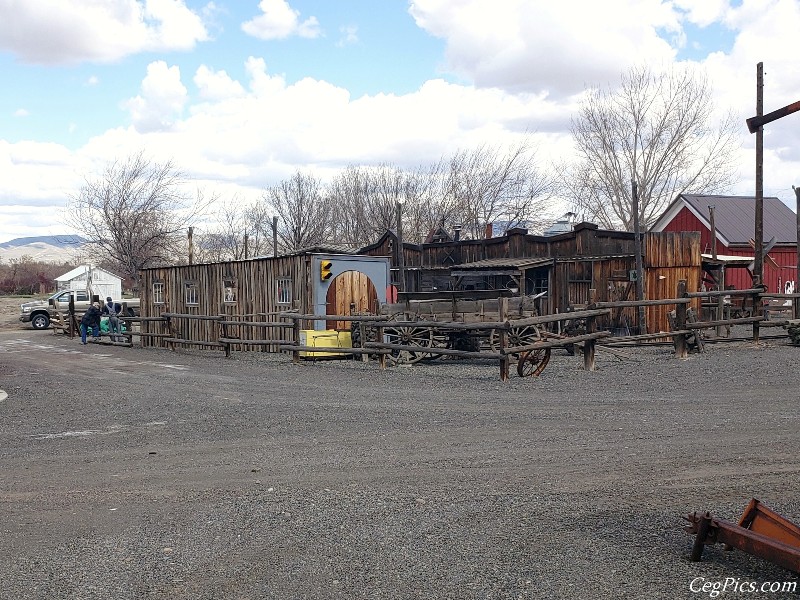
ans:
(351, 291)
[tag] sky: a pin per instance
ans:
(241, 94)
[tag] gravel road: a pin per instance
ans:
(130, 473)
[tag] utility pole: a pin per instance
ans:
(246, 248)
(274, 236)
(191, 246)
(720, 268)
(401, 259)
(637, 236)
(758, 268)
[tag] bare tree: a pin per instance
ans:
(488, 185)
(233, 222)
(303, 212)
(656, 129)
(136, 214)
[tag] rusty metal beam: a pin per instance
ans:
(753, 123)
(762, 532)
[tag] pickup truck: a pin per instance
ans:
(40, 312)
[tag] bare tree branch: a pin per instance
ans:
(657, 129)
(135, 214)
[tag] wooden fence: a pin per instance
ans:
(684, 332)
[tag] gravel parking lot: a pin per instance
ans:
(130, 473)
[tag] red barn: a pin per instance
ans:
(734, 218)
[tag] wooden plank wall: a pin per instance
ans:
(256, 292)
(668, 258)
(350, 287)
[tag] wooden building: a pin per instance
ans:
(734, 220)
(312, 282)
(564, 267)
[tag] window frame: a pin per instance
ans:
(158, 296)
(191, 284)
(234, 288)
(283, 293)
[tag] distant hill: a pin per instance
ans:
(45, 248)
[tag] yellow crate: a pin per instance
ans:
(325, 338)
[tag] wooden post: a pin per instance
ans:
(224, 328)
(274, 236)
(796, 301)
(296, 338)
(589, 345)
(170, 331)
(758, 310)
(380, 340)
(637, 234)
(401, 259)
(505, 360)
(758, 267)
(720, 270)
(681, 350)
(246, 246)
(72, 320)
(191, 245)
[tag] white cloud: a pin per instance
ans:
(348, 35)
(704, 12)
(72, 31)
(161, 101)
(22, 112)
(92, 80)
(215, 85)
(279, 21)
(529, 66)
(540, 45)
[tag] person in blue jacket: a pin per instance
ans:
(91, 318)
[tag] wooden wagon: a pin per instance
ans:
(463, 323)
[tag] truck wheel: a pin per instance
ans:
(40, 321)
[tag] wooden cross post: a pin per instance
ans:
(296, 338)
(505, 360)
(589, 345)
(681, 350)
(379, 339)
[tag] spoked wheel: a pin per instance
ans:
(408, 336)
(532, 363)
(517, 336)
(439, 339)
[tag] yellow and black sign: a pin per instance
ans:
(325, 272)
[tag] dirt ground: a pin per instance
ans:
(10, 311)
(133, 473)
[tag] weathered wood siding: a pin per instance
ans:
(668, 258)
(255, 292)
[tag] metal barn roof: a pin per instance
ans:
(734, 217)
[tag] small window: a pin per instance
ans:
(230, 290)
(190, 293)
(158, 293)
(284, 290)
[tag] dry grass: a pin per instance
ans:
(9, 311)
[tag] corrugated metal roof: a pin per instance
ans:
(734, 217)
(503, 263)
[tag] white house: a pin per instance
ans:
(96, 280)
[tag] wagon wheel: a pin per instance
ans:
(408, 336)
(533, 362)
(516, 336)
(439, 339)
